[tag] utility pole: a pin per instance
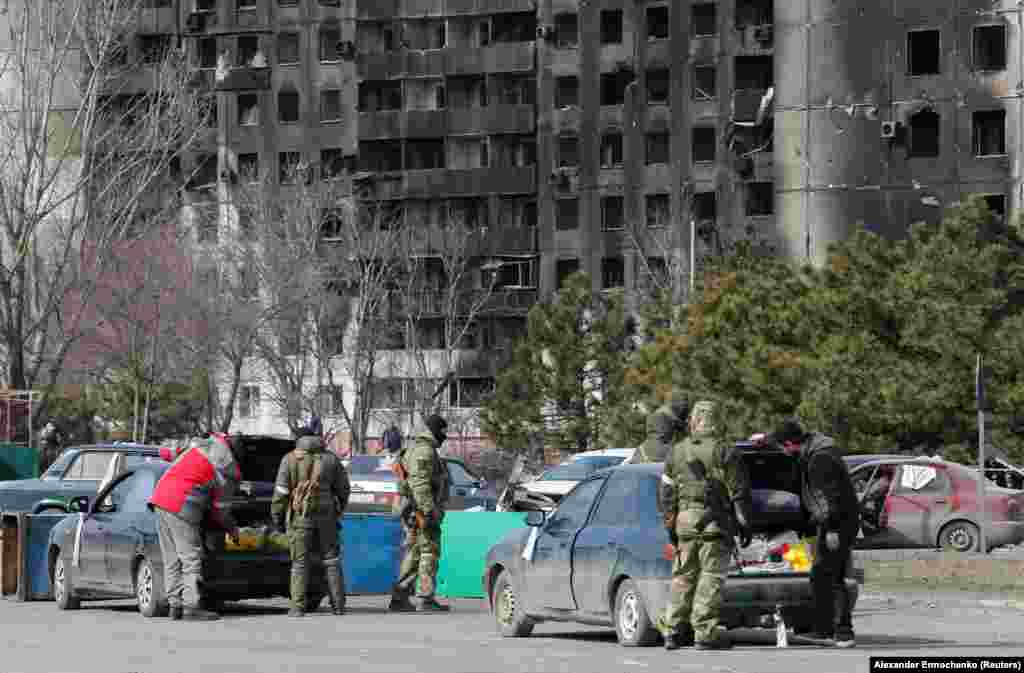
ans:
(979, 394)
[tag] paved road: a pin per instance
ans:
(256, 637)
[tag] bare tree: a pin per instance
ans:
(87, 139)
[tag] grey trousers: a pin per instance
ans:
(181, 545)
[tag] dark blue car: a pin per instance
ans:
(77, 472)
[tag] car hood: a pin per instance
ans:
(20, 484)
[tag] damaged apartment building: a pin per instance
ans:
(606, 135)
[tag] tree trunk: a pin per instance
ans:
(229, 411)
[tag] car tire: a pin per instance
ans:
(149, 593)
(960, 536)
(63, 589)
(507, 607)
(633, 626)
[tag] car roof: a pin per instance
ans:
(602, 452)
(116, 446)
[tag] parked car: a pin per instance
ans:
(77, 472)
(375, 487)
(928, 502)
(111, 550)
(600, 558)
(559, 480)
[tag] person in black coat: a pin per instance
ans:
(828, 495)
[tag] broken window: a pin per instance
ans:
(989, 133)
(754, 13)
(704, 142)
(658, 85)
(424, 34)
(380, 156)
(514, 27)
(330, 105)
(424, 154)
(332, 222)
(332, 163)
(567, 92)
(923, 136)
(704, 18)
(990, 47)
(514, 89)
(657, 207)
(611, 149)
(288, 107)
(612, 213)
(471, 213)
(208, 52)
(248, 47)
(330, 37)
(613, 272)
(568, 151)
(923, 52)
(567, 214)
(611, 26)
(249, 166)
(754, 73)
(467, 91)
(705, 206)
(996, 204)
(760, 198)
(154, 48)
(613, 87)
(287, 48)
(288, 167)
(565, 268)
(658, 148)
(517, 212)
(657, 22)
(567, 31)
(704, 86)
(205, 171)
(377, 95)
(513, 151)
(248, 109)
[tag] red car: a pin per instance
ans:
(928, 502)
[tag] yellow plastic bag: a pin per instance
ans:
(800, 556)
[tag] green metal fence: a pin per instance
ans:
(18, 461)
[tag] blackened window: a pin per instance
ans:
(154, 47)
(611, 26)
(754, 72)
(704, 206)
(288, 107)
(760, 198)
(704, 141)
(612, 213)
(248, 47)
(611, 149)
(658, 85)
(288, 166)
(567, 92)
(248, 109)
(567, 215)
(249, 166)
(924, 136)
(330, 36)
(330, 105)
(657, 22)
(567, 32)
(613, 87)
(332, 163)
(658, 148)
(704, 85)
(568, 151)
(287, 48)
(996, 204)
(613, 272)
(704, 17)
(657, 207)
(989, 133)
(208, 52)
(565, 268)
(923, 52)
(990, 47)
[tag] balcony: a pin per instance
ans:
(470, 7)
(502, 301)
(245, 79)
(381, 124)
(447, 182)
(425, 123)
(492, 119)
(508, 57)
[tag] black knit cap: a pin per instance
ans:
(789, 430)
(436, 425)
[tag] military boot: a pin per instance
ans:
(400, 601)
(176, 612)
(296, 612)
(676, 639)
(428, 604)
(336, 588)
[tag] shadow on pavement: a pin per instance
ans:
(766, 638)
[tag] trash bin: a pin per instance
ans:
(8, 556)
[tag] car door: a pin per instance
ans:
(90, 553)
(920, 501)
(125, 533)
(549, 571)
(598, 545)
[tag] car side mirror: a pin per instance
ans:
(535, 518)
(79, 504)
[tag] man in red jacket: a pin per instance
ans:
(188, 495)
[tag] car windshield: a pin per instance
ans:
(370, 468)
(581, 468)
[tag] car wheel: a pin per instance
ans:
(508, 609)
(961, 536)
(148, 592)
(63, 592)
(632, 625)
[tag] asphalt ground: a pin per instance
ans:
(256, 636)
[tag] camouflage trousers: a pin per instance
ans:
(308, 539)
(695, 598)
(423, 550)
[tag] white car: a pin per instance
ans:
(559, 480)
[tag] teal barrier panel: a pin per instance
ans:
(18, 462)
(371, 553)
(466, 537)
(34, 578)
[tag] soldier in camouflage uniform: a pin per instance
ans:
(706, 500)
(312, 491)
(423, 485)
(665, 427)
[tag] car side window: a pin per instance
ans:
(925, 479)
(620, 504)
(572, 513)
(90, 466)
(134, 492)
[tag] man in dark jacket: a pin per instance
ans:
(666, 426)
(830, 500)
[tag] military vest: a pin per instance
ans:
(699, 489)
